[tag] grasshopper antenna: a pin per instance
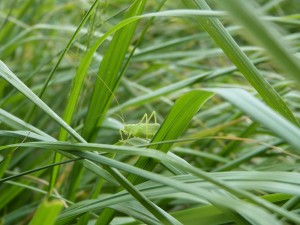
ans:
(114, 97)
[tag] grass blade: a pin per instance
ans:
(11, 78)
(108, 74)
(262, 113)
(219, 34)
(47, 212)
(265, 33)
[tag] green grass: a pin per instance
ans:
(222, 77)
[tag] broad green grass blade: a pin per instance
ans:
(108, 75)
(47, 212)
(219, 34)
(265, 33)
(107, 80)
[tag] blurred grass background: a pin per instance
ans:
(222, 77)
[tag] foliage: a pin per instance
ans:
(221, 76)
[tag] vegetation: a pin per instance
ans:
(221, 76)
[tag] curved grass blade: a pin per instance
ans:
(158, 178)
(202, 193)
(160, 214)
(18, 124)
(23, 134)
(11, 78)
(242, 179)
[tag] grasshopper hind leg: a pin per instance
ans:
(153, 114)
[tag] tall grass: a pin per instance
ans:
(222, 77)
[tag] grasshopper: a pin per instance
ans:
(144, 129)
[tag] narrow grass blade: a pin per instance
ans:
(160, 214)
(265, 33)
(72, 39)
(18, 124)
(69, 111)
(202, 193)
(11, 78)
(262, 113)
(219, 34)
(24, 135)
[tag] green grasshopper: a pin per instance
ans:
(144, 129)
